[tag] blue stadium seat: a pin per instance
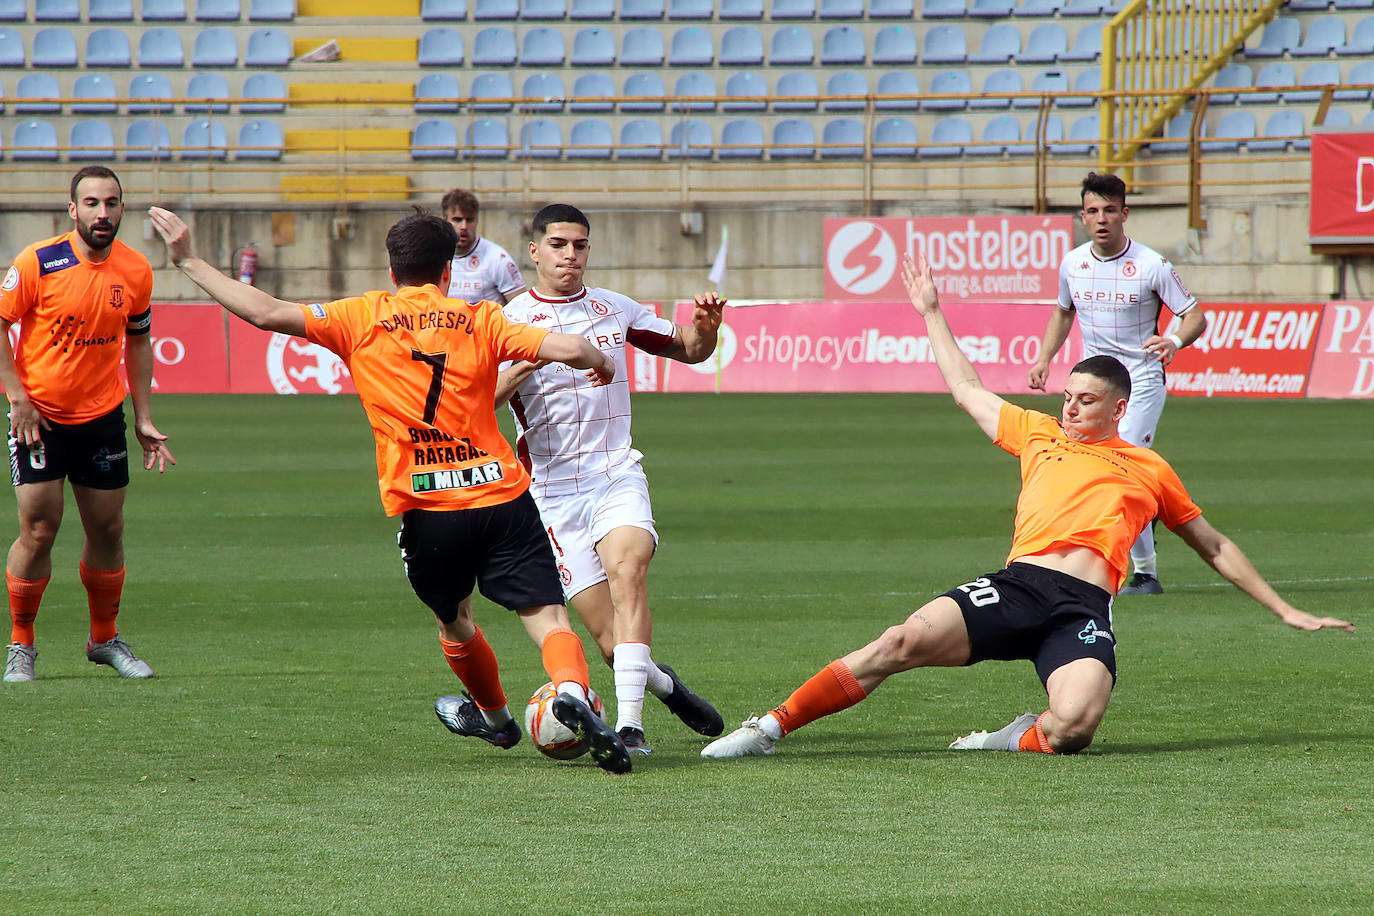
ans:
(842, 138)
(437, 92)
(949, 82)
(493, 46)
(34, 141)
(110, 11)
(648, 92)
(894, 44)
(548, 88)
(146, 140)
(591, 86)
(91, 141)
(1280, 36)
(841, 9)
(11, 48)
(1353, 4)
(640, 139)
(434, 139)
(108, 48)
(37, 93)
(215, 48)
(594, 10)
(1368, 120)
(743, 90)
(271, 10)
(1283, 129)
(890, 9)
(690, 139)
(1361, 41)
(545, 11)
(999, 135)
(590, 139)
(741, 139)
(944, 44)
(268, 89)
(486, 139)
(1278, 75)
(540, 139)
(204, 140)
(1083, 138)
(95, 94)
(894, 137)
(798, 83)
(943, 9)
(641, 46)
(260, 139)
(741, 46)
(1362, 72)
(14, 11)
(443, 10)
(845, 83)
(1317, 75)
(1054, 131)
(495, 91)
(270, 48)
(947, 138)
(641, 9)
(210, 89)
(163, 10)
(495, 10)
(1001, 42)
(147, 93)
(1308, 5)
(1338, 117)
(1231, 76)
(793, 138)
(792, 9)
(542, 47)
(1082, 8)
(593, 47)
(740, 9)
(1030, 8)
(691, 47)
(1087, 80)
(1044, 44)
(1053, 83)
(695, 83)
(160, 47)
(691, 9)
(1175, 137)
(1087, 44)
(792, 46)
(991, 9)
(56, 11)
(841, 45)
(998, 81)
(218, 10)
(1234, 129)
(55, 47)
(1324, 35)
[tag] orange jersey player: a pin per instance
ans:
(425, 367)
(80, 302)
(1085, 495)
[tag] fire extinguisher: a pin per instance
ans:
(248, 264)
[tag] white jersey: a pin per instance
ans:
(483, 273)
(573, 437)
(1119, 301)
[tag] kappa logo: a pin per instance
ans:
(540, 316)
(861, 258)
(1091, 632)
(1128, 269)
(291, 362)
(1083, 265)
(11, 279)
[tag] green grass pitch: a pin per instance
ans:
(287, 759)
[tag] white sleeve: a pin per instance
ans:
(506, 274)
(1065, 294)
(1168, 285)
(642, 318)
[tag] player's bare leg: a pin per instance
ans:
(102, 573)
(1078, 693)
(28, 569)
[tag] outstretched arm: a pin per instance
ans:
(959, 375)
(249, 303)
(694, 342)
(1235, 567)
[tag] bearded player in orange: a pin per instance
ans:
(1085, 495)
(425, 368)
(81, 301)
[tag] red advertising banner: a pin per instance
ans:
(190, 353)
(1343, 366)
(1342, 195)
(987, 258)
(865, 346)
(261, 362)
(1255, 351)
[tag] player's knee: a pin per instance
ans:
(1072, 733)
(899, 648)
(40, 534)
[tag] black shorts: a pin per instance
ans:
(1027, 611)
(503, 549)
(93, 454)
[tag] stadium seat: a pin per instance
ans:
(957, 82)
(1362, 72)
(56, 10)
(1082, 8)
(215, 48)
(841, 9)
(1053, 83)
(1001, 42)
(1231, 76)
(894, 44)
(1280, 36)
(846, 83)
(542, 47)
(691, 47)
(93, 94)
(261, 139)
(493, 46)
(434, 139)
(631, 10)
(1308, 5)
(741, 46)
(690, 139)
(55, 47)
(890, 9)
(640, 139)
(1234, 129)
(1324, 35)
(1087, 44)
(145, 140)
(1368, 120)
(695, 84)
(540, 139)
(34, 141)
(270, 48)
(1338, 117)
(998, 81)
(596, 10)
(590, 139)
(1175, 137)
(91, 141)
(646, 89)
(641, 46)
(548, 88)
(1282, 130)
(593, 47)
(486, 139)
(944, 44)
(843, 44)
(14, 11)
(1087, 80)
(793, 138)
(107, 48)
(204, 140)
(37, 93)
(147, 92)
(1054, 131)
(792, 46)
(163, 10)
(11, 48)
(210, 89)
(743, 91)
(1083, 137)
(842, 138)
(1320, 74)
(902, 85)
(1353, 4)
(691, 9)
(792, 9)
(1030, 8)
(160, 47)
(798, 83)
(943, 9)
(218, 10)
(495, 10)
(544, 11)
(741, 139)
(440, 47)
(894, 137)
(110, 11)
(1044, 45)
(592, 86)
(740, 9)
(947, 138)
(494, 90)
(999, 136)
(991, 9)
(1361, 41)
(443, 10)
(268, 89)
(271, 10)
(437, 92)
(1279, 75)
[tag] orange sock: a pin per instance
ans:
(475, 664)
(1034, 739)
(103, 588)
(25, 596)
(564, 658)
(827, 691)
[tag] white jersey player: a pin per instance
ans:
(481, 268)
(587, 479)
(1119, 288)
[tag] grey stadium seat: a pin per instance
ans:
(443, 10)
(34, 141)
(595, 10)
(1044, 44)
(147, 93)
(1234, 129)
(741, 46)
(37, 93)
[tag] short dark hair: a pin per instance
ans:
(1106, 186)
(461, 200)
(94, 171)
(420, 246)
(557, 213)
(1109, 369)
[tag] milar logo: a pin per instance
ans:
(460, 479)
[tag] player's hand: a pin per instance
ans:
(26, 423)
(1161, 348)
(920, 285)
(1037, 376)
(174, 232)
(155, 449)
(603, 374)
(1305, 621)
(707, 312)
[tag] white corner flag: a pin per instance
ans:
(717, 274)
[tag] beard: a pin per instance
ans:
(98, 243)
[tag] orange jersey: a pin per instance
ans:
(1098, 495)
(73, 316)
(425, 367)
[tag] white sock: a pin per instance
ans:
(573, 689)
(659, 684)
(770, 726)
(1143, 559)
(632, 664)
(496, 718)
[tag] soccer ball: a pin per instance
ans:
(551, 737)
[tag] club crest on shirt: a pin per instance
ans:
(1128, 269)
(599, 307)
(474, 262)
(116, 296)
(11, 279)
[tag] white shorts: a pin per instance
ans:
(1143, 411)
(576, 522)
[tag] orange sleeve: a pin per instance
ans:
(513, 340)
(1013, 427)
(1176, 506)
(18, 288)
(331, 325)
